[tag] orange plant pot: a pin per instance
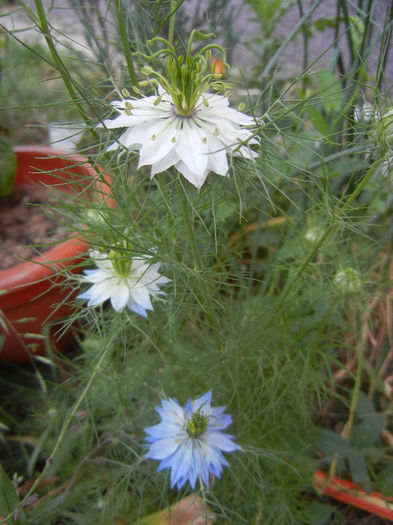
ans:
(29, 290)
(350, 493)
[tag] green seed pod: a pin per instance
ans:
(347, 281)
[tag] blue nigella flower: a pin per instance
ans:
(190, 440)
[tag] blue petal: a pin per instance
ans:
(162, 448)
(221, 441)
(203, 401)
(182, 464)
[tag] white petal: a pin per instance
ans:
(159, 143)
(191, 147)
(121, 298)
(217, 158)
(197, 179)
(121, 121)
(141, 296)
(137, 308)
(170, 160)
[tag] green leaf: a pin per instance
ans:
(223, 211)
(330, 91)
(368, 430)
(358, 469)
(385, 481)
(9, 499)
(318, 121)
(320, 512)
(331, 443)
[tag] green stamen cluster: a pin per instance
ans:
(197, 425)
(187, 77)
(121, 263)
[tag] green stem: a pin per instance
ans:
(355, 394)
(44, 28)
(68, 421)
(348, 428)
(190, 230)
(288, 287)
(124, 40)
(348, 23)
(203, 296)
(172, 11)
(289, 39)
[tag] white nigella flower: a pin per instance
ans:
(184, 126)
(126, 282)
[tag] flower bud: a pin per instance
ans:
(313, 234)
(347, 281)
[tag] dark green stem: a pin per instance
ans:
(172, 11)
(124, 39)
(44, 27)
(188, 223)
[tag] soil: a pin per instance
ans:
(24, 226)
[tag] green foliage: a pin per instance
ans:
(8, 166)
(254, 310)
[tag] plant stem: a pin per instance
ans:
(44, 28)
(190, 230)
(68, 421)
(172, 11)
(289, 39)
(125, 43)
(289, 285)
(348, 428)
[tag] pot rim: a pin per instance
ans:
(48, 264)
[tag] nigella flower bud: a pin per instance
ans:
(347, 281)
(313, 234)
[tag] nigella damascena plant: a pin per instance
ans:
(188, 124)
(126, 281)
(190, 440)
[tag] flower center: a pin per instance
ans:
(120, 263)
(191, 114)
(197, 425)
(186, 77)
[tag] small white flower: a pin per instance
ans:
(126, 282)
(194, 144)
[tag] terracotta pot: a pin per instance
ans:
(350, 493)
(27, 291)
